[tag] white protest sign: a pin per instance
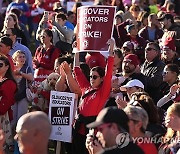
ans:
(61, 115)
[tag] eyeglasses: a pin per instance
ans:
(101, 127)
(1, 65)
(149, 49)
(94, 77)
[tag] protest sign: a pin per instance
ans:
(94, 27)
(61, 115)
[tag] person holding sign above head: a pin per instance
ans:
(94, 96)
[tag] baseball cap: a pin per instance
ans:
(165, 16)
(169, 43)
(6, 40)
(132, 58)
(132, 83)
(128, 44)
(137, 113)
(111, 115)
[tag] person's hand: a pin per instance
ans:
(93, 145)
(121, 104)
(111, 43)
(173, 89)
(61, 71)
(66, 68)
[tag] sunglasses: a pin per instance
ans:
(1, 65)
(149, 49)
(94, 77)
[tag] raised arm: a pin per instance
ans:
(74, 87)
(106, 87)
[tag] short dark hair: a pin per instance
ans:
(6, 40)
(118, 52)
(155, 45)
(14, 31)
(100, 70)
(173, 68)
(67, 58)
(70, 13)
(62, 16)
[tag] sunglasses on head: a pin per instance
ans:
(149, 49)
(94, 77)
(1, 65)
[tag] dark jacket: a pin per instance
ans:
(144, 33)
(153, 72)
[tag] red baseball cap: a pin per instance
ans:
(132, 58)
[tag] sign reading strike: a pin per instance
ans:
(95, 27)
(61, 115)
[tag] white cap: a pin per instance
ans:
(132, 83)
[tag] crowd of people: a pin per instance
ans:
(130, 93)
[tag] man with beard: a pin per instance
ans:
(131, 70)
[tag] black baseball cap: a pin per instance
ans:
(111, 115)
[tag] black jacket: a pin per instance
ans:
(153, 72)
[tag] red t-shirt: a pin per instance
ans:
(148, 148)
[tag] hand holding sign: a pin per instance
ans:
(111, 43)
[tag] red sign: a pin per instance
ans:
(95, 27)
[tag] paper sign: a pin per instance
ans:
(95, 27)
(61, 115)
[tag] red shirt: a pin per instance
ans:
(46, 58)
(7, 94)
(94, 103)
(148, 148)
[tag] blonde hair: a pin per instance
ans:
(17, 53)
(175, 109)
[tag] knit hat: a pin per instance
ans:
(132, 58)
(111, 115)
(169, 43)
